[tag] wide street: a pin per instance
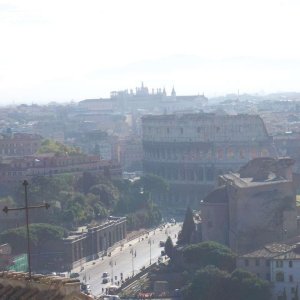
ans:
(129, 259)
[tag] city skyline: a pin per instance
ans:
(70, 50)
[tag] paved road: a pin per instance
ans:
(133, 256)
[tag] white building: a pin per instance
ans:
(285, 274)
(277, 263)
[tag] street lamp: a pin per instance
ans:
(132, 254)
(111, 263)
(150, 243)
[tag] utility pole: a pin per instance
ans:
(26, 208)
(150, 242)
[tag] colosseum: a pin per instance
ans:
(190, 150)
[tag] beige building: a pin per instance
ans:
(253, 207)
(258, 262)
(190, 150)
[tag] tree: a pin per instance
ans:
(39, 234)
(85, 182)
(169, 247)
(209, 283)
(209, 253)
(152, 185)
(248, 286)
(51, 146)
(239, 285)
(188, 227)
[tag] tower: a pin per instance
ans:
(173, 93)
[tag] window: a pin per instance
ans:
(246, 262)
(267, 263)
(268, 277)
(291, 279)
(279, 263)
(290, 263)
(293, 290)
(257, 262)
(280, 276)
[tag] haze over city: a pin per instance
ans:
(73, 50)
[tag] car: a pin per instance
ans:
(74, 275)
(85, 288)
(105, 280)
(162, 244)
(105, 275)
(111, 297)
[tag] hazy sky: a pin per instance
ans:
(63, 50)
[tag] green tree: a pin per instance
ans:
(188, 227)
(39, 234)
(209, 283)
(51, 146)
(152, 183)
(85, 182)
(248, 286)
(239, 285)
(209, 253)
(169, 247)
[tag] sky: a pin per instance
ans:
(73, 50)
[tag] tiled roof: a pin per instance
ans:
(269, 251)
(17, 286)
(289, 255)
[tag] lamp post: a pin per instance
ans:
(111, 263)
(132, 254)
(150, 243)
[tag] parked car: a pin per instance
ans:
(105, 280)
(85, 288)
(74, 275)
(105, 275)
(162, 244)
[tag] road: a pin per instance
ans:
(129, 260)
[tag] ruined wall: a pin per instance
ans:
(261, 214)
(215, 222)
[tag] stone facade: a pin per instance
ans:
(19, 144)
(15, 169)
(253, 207)
(189, 151)
(277, 263)
(83, 246)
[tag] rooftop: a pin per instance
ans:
(269, 251)
(16, 285)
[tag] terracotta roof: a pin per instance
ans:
(16, 286)
(269, 251)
